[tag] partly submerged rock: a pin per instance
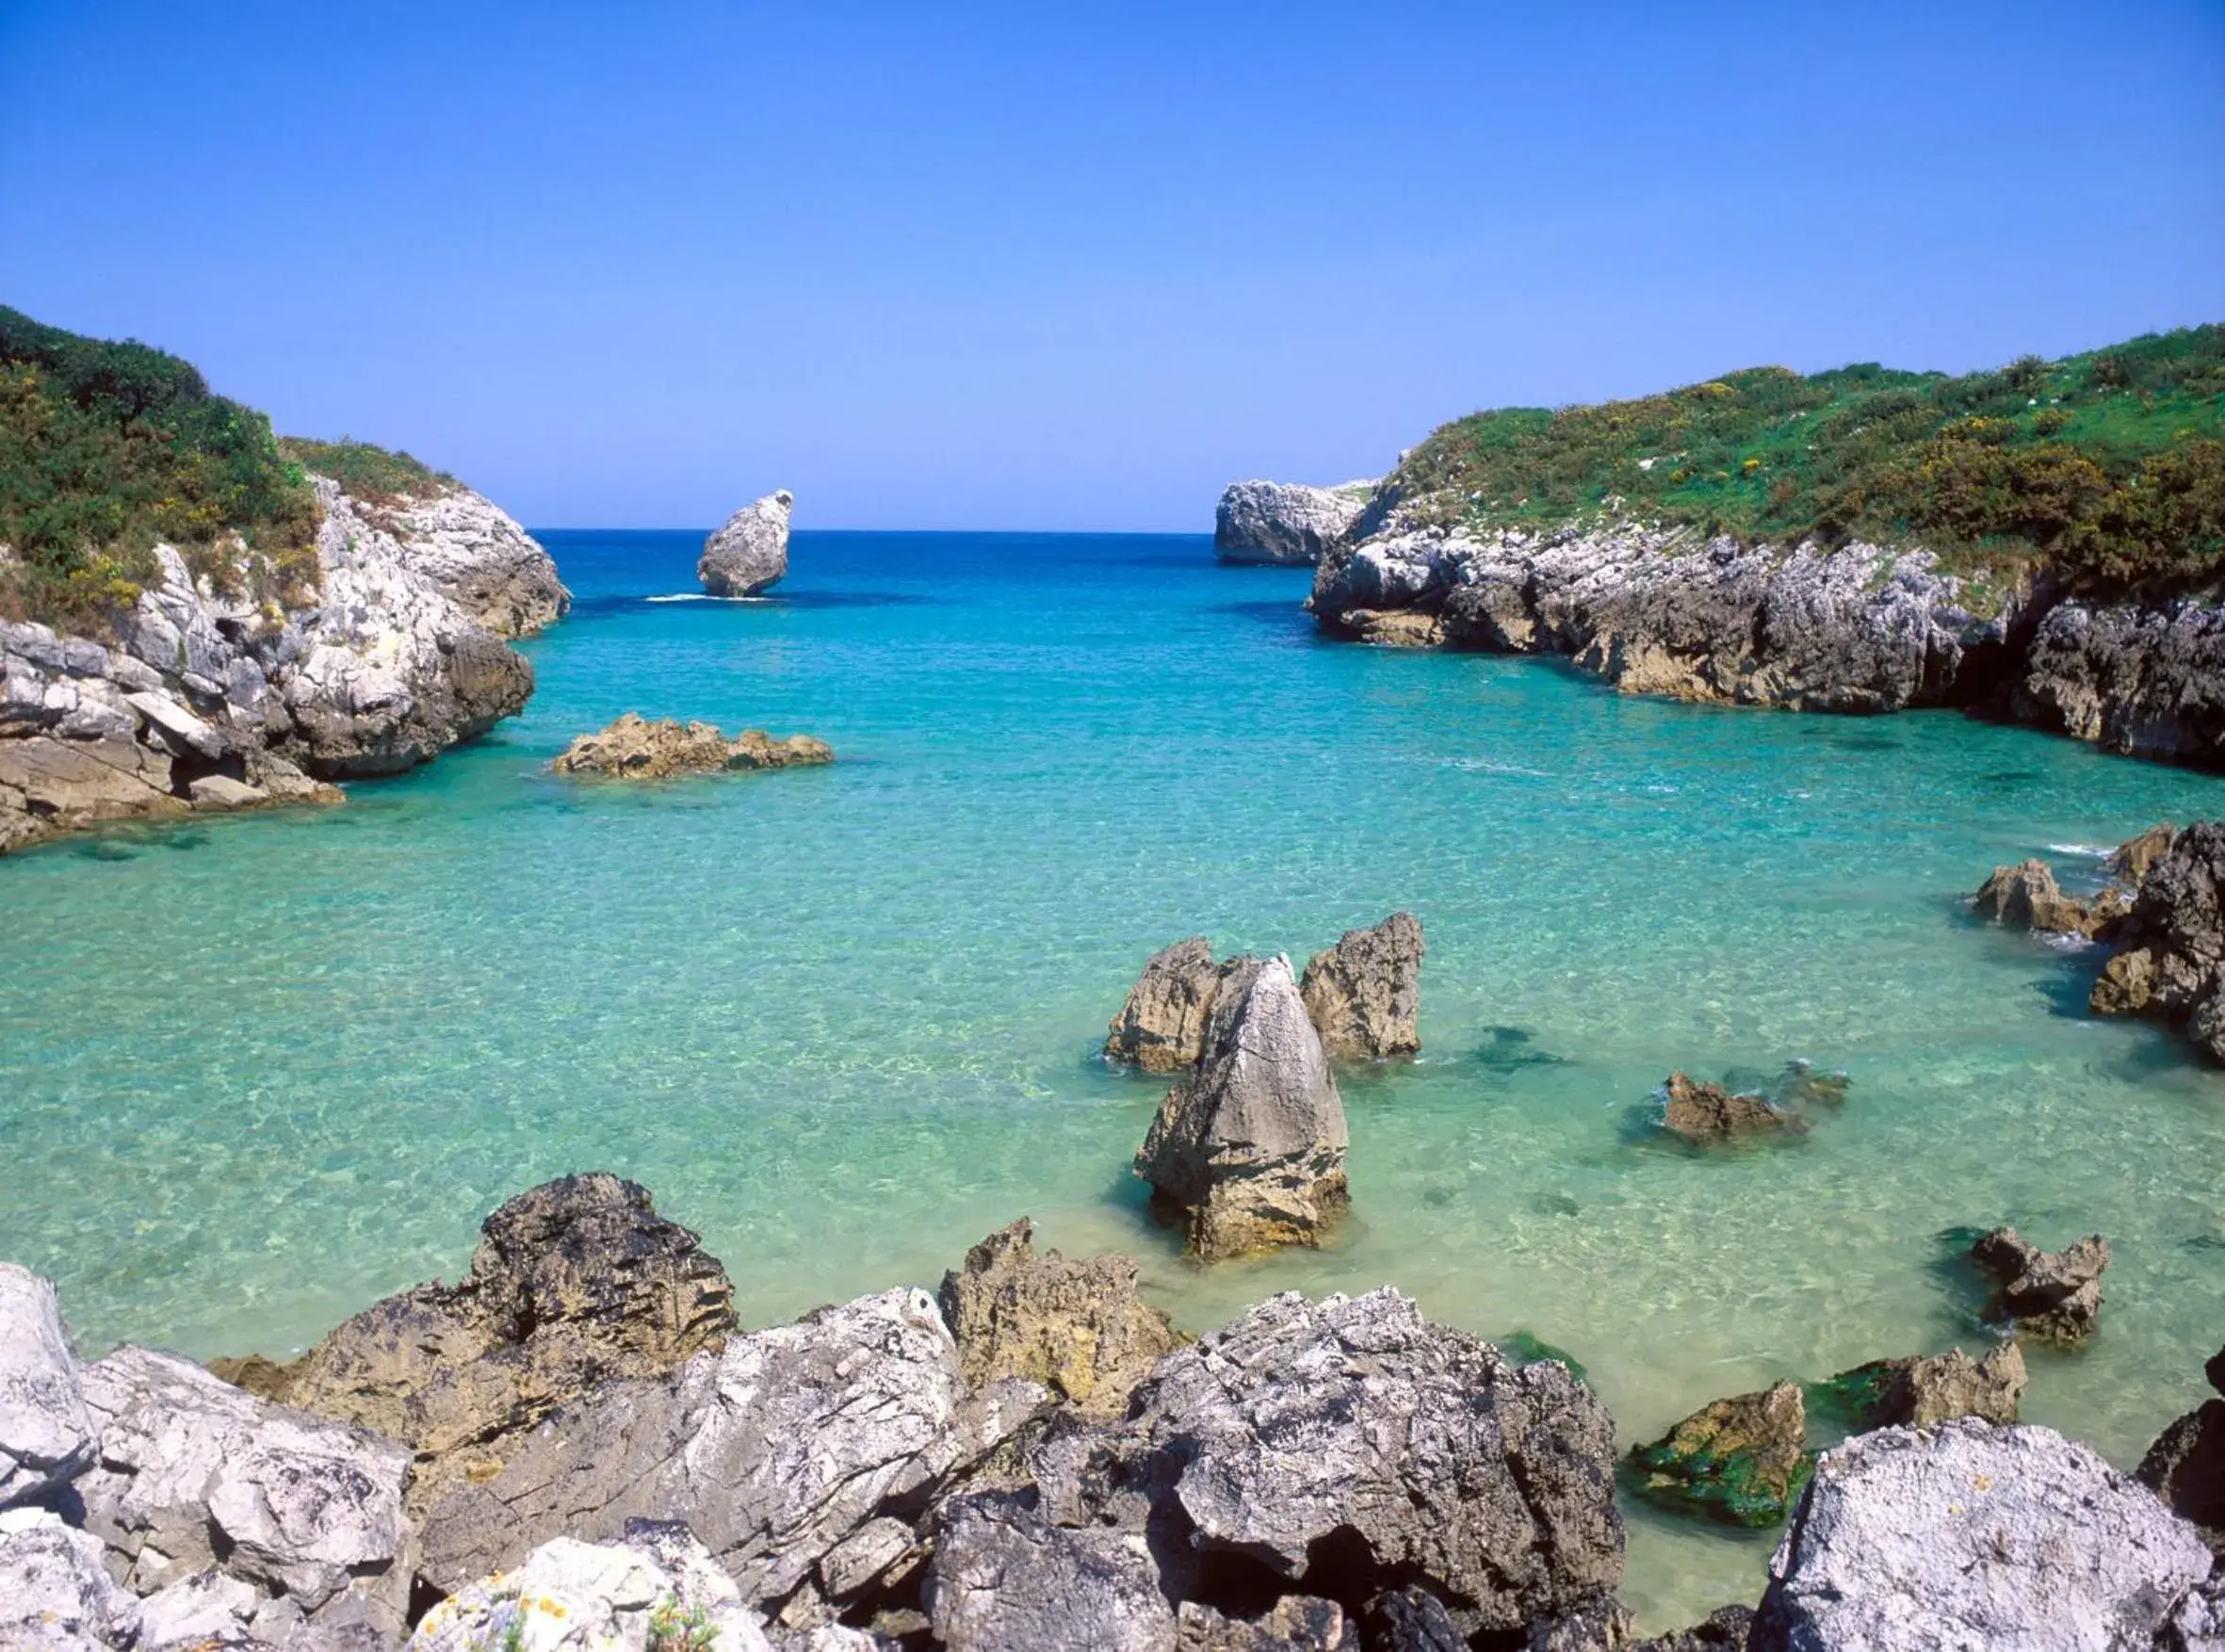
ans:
(1162, 1027)
(2172, 967)
(750, 553)
(56, 1594)
(635, 748)
(1250, 1146)
(2053, 1295)
(575, 1284)
(1742, 1460)
(1968, 1538)
(1077, 1327)
(1006, 1580)
(1286, 523)
(1921, 1390)
(2028, 897)
(2187, 1464)
(1700, 1112)
(1364, 994)
(46, 1436)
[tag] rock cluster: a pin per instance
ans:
(750, 553)
(1285, 523)
(2053, 1295)
(634, 748)
(2187, 1464)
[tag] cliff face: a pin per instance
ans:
(1286, 524)
(205, 702)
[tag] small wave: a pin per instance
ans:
(1484, 765)
(2099, 852)
(2061, 942)
(703, 596)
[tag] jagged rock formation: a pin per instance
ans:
(2145, 681)
(478, 556)
(2053, 1295)
(750, 553)
(635, 749)
(1703, 1112)
(1162, 1027)
(1364, 994)
(576, 1284)
(1741, 1460)
(1077, 1328)
(46, 1437)
(2172, 965)
(1725, 1630)
(1915, 1540)
(1922, 1390)
(1004, 1578)
(1250, 1146)
(1285, 523)
(56, 1594)
(654, 1590)
(2187, 1464)
(2027, 896)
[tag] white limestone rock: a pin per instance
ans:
(46, 1434)
(750, 553)
(1287, 523)
(632, 1596)
(56, 1595)
(475, 553)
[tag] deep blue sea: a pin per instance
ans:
(844, 1021)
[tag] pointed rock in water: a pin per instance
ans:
(2187, 1464)
(2026, 895)
(1365, 992)
(46, 1436)
(634, 748)
(655, 1590)
(1699, 1111)
(1742, 1460)
(1162, 1027)
(2055, 1295)
(1972, 1536)
(750, 553)
(1285, 523)
(1922, 1390)
(1251, 1145)
(1077, 1327)
(576, 1284)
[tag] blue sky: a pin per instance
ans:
(1075, 266)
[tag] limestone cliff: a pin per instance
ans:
(1285, 523)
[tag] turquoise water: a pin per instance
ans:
(843, 1021)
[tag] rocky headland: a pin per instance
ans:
(749, 554)
(1285, 523)
(636, 748)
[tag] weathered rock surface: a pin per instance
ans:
(46, 1434)
(2027, 896)
(634, 748)
(1162, 1027)
(2053, 1295)
(774, 1450)
(1725, 1630)
(576, 1284)
(1922, 1389)
(750, 553)
(56, 1594)
(1971, 1538)
(1006, 1580)
(1286, 523)
(2145, 681)
(2172, 967)
(479, 558)
(1077, 1328)
(2198, 1622)
(1364, 994)
(2187, 1464)
(1250, 1146)
(194, 1474)
(1296, 1623)
(1700, 1112)
(1742, 1460)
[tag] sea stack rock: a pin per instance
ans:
(1285, 523)
(1251, 1145)
(2027, 896)
(2173, 967)
(1699, 1111)
(750, 553)
(1162, 1027)
(1365, 992)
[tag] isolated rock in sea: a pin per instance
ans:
(634, 748)
(654, 1590)
(1162, 1027)
(1004, 1578)
(1364, 994)
(55, 1594)
(1921, 1390)
(774, 1450)
(1286, 523)
(1968, 1538)
(46, 1436)
(1699, 1111)
(576, 1284)
(2054, 1295)
(2026, 895)
(1250, 1146)
(1296, 1623)
(1075, 1327)
(2172, 967)
(2187, 1464)
(194, 1473)
(1742, 1460)
(750, 553)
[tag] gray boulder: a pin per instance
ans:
(2053, 1295)
(750, 553)
(2145, 681)
(1364, 994)
(1005, 1580)
(1161, 1028)
(1285, 523)
(46, 1436)
(2196, 1622)
(1971, 1538)
(2172, 967)
(56, 1594)
(1249, 1147)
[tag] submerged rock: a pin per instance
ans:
(46, 1434)
(1250, 1146)
(2187, 1464)
(750, 553)
(1162, 1027)
(634, 748)
(1922, 1390)
(1077, 1328)
(1741, 1460)
(1969, 1537)
(2054, 1295)
(1703, 1112)
(1286, 523)
(1364, 994)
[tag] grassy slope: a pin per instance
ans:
(2107, 466)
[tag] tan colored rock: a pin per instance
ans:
(1077, 1327)
(1162, 1027)
(2126, 984)
(1742, 1460)
(1394, 628)
(1364, 994)
(2026, 895)
(2138, 856)
(2054, 1295)
(1924, 1390)
(1699, 1111)
(634, 748)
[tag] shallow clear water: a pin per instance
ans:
(258, 1072)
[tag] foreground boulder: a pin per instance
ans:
(2053, 1295)
(1364, 994)
(1162, 1027)
(750, 553)
(1077, 1328)
(1742, 1460)
(46, 1436)
(55, 1594)
(1285, 523)
(1924, 1389)
(2187, 1464)
(2172, 967)
(655, 1590)
(575, 1284)
(1004, 1578)
(1969, 1537)
(1249, 1148)
(1703, 1112)
(634, 748)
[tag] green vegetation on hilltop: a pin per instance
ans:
(2107, 466)
(370, 474)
